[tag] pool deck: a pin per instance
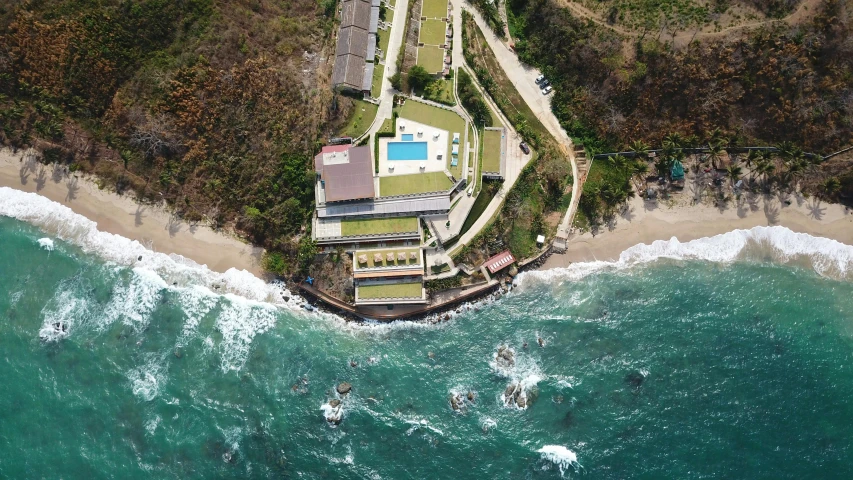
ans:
(409, 167)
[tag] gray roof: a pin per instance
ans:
(352, 180)
(367, 81)
(399, 206)
(376, 3)
(371, 48)
(374, 20)
(356, 13)
(353, 41)
(349, 71)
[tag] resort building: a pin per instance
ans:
(356, 47)
(376, 200)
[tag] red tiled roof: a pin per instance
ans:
(499, 261)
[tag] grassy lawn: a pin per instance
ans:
(376, 86)
(387, 126)
(492, 151)
(431, 58)
(440, 91)
(384, 263)
(434, 9)
(433, 32)
(376, 226)
(438, 118)
(383, 40)
(411, 184)
(480, 203)
(362, 116)
(391, 290)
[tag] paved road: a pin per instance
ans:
(386, 97)
(524, 78)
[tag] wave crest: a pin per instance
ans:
(827, 257)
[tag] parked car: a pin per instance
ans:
(525, 148)
(470, 191)
(547, 90)
(544, 83)
(539, 79)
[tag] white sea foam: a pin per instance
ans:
(524, 375)
(46, 243)
(560, 456)
(146, 381)
(828, 257)
(62, 313)
(60, 221)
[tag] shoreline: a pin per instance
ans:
(150, 225)
(644, 222)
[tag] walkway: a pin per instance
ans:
(386, 97)
(524, 78)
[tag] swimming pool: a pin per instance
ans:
(408, 137)
(407, 151)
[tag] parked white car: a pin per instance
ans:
(547, 90)
(539, 79)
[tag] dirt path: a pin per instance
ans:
(683, 38)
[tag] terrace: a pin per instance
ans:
(378, 226)
(494, 152)
(431, 58)
(439, 118)
(433, 32)
(387, 258)
(390, 292)
(414, 184)
(434, 9)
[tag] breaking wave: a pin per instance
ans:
(60, 221)
(827, 257)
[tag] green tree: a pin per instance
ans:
(307, 252)
(419, 78)
(640, 148)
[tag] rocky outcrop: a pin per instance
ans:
(344, 388)
(516, 395)
(505, 357)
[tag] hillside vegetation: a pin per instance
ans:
(780, 82)
(213, 106)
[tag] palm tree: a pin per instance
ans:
(831, 186)
(639, 148)
(765, 168)
(641, 171)
(715, 151)
(673, 140)
(716, 136)
(751, 157)
(734, 172)
(786, 150)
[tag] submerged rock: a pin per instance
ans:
(344, 388)
(635, 379)
(541, 342)
(334, 402)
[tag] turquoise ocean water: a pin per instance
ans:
(651, 367)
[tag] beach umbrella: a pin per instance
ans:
(362, 258)
(413, 255)
(389, 257)
(401, 256)
(377, 258)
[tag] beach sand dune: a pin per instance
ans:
(150, 225)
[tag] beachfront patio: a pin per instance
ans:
(436, 140)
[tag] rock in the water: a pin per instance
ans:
(521, 401)
(431, 355)
(635, 378)
(513, 271)
(334, 402)
(470, 396)
(139, 258)
(509, 390)
(344, 388)
(505, 357)
(353, 363)
(541, 342)
(178, 353)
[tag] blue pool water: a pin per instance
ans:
(407, 150)
(408, 137)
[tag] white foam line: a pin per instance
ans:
(828, 257)
(59, 220)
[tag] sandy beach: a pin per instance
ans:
(121, 215)
(644, 222)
